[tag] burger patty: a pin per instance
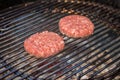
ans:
(44, 44)
(76, 26)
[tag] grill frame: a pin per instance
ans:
(6, 30)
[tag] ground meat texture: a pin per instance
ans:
(44, 44)
(76, 26)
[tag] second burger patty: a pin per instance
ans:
(76, 26)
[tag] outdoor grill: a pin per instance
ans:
(96, 57)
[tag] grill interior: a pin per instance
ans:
(94, 57)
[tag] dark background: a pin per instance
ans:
(7, 3)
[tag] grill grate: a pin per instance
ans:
(94, 57)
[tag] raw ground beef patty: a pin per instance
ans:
(76, 26)
(44, 44)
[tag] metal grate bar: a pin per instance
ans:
(18, 12)
(109, 72)
(10, 10)
(4, 22)
(77, 65)
(114, 72)
(93, 75)
(96, 66)
(15, 11)
(105, 13)
(113, 52)
(102, 10)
